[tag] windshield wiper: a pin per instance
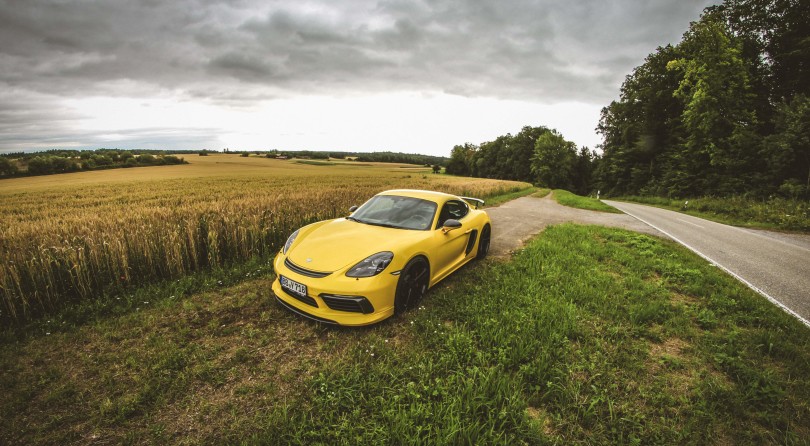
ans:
(366, 222)
(384, 225)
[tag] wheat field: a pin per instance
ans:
(85, 235)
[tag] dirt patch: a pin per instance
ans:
(671, 347)
(516, 221)
(540, 416)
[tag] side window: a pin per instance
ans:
(452, 209)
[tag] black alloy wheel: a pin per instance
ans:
(483, 244)
(413, 284)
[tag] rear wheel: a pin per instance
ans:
(483, 244)
(413, 284)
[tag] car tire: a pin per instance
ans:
(412, 285)
(483, 242)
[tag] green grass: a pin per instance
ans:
(501, 199)
(588, 336)
(774, 213)
(570, 199)
(315, 163)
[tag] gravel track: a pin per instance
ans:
(516, 221)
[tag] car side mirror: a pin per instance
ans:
(450, 224)
(353, 208)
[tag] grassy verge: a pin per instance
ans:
(775, 213)
(570, 199)
(541, 192)
(589, 336)
(501, 199)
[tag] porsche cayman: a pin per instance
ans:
(381, 259)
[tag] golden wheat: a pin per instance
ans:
(99, 231)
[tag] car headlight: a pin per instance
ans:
(290, 241)
(372, 265)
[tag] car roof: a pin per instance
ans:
(423, 194)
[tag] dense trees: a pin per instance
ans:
(724, 112)
(7, 168)
(63, 161)
(372, 157)
(536, 154)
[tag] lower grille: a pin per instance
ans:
(353, 304)
(305, 299)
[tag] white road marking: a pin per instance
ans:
(687, 222)
(747, 283)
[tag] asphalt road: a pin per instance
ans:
(775, 265)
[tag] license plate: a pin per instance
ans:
(293, 286)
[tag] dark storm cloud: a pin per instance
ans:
(240, 51)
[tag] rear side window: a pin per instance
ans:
(452, 209)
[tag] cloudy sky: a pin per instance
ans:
(414, 76)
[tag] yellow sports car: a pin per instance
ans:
(381, 259)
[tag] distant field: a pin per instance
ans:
(76, 236)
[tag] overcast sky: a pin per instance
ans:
(402, 75)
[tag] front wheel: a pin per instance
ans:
(483, 243)
(413, 284)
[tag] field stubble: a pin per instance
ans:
(99, 232)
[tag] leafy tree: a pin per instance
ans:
(553, 161)
(718, 111)
(40, 165)
(7, 167)
(460, 159)
(146, 159)
(788, 150)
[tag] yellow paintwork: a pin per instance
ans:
(335, 246)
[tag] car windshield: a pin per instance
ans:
(396, 212)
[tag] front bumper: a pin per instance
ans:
(370, 299)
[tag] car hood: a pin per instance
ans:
(343, 243)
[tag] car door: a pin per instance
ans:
(451, 245)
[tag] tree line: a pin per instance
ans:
(64, 161)
(724, 112)
(536, 155)
(371, 157)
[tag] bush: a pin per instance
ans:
(147, 159)
(171, 159)
(7, 168)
